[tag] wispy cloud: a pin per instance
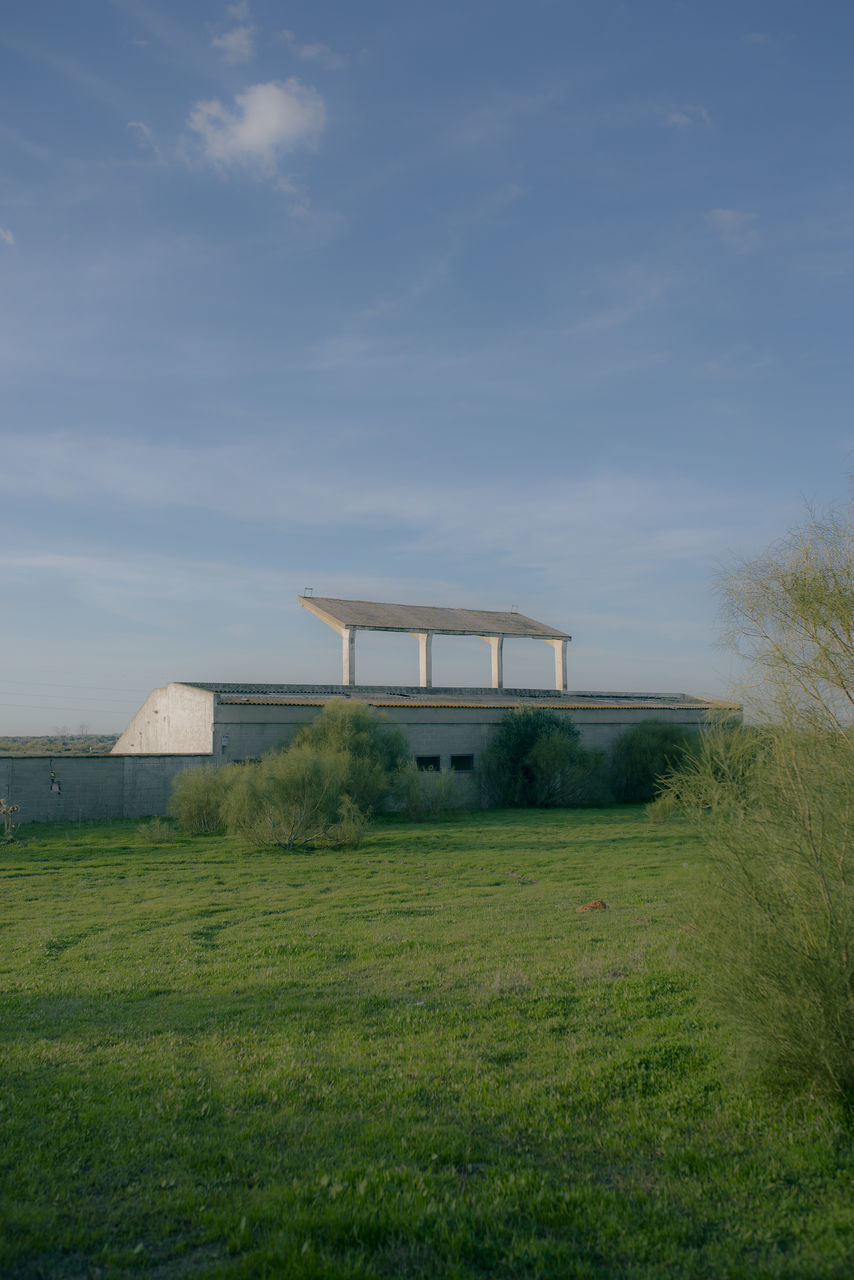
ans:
(636, 294)
(757, 38)
(6, 236)
(145, 137)
(602, 544)
(499, 118)
(687, 117)
(75, 72)
(735, 226)
(237, 45)
(318, 53)
(267, 122)
(22, 143)
(667, 521)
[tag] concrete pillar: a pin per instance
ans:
(425, 658)
(348, 645)
(496, 644)
(559, 647)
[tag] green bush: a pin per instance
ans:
(318, 791)
(775, 916)
(374, 748)
(296, 797)
(644, 755)
(197, 796)
(535, 759)
(420, 796)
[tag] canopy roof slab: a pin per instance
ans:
(424, 621)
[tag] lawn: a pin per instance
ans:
(414, 1059)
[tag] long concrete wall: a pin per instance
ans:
(247, 731)
(77, 788)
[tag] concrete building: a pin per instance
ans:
(446, 728)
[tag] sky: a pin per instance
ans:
(542, 305)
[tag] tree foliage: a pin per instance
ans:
(775, 804)
(644, 755)
(775, 915)
(790, 613)
(536, 759)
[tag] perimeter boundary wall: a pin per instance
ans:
(91, 788)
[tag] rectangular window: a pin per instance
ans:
(427, 764)
(462, 764)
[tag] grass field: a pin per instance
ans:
(414, 1059)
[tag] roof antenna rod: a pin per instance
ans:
(307, 591)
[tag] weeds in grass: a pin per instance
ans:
(156, 831)
(7, 814)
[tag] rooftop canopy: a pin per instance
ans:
(424, 621)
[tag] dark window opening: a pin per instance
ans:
(427, 764)
(462, 764)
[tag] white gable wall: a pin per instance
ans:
(176, 719)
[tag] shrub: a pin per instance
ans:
(155, 831)
(294, 797)
(197, 796)
(9, 827)
(644, 755)
(535, 759)
(776, 912)
(420, 796)
(374, 749)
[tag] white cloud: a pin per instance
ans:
(631, 519)
(633, 294)
(688, 116)
(727, 219)
(240, 11)
(145, 137)
(319, 53)
(735, 226)
(236, 45)
(6, 236)
(269, 120)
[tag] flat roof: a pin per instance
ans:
(403, 696)
(370, 615)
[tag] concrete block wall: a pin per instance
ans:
(90, 788)
(137, 785)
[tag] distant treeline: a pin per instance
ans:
(72, 744)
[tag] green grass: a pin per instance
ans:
(415, 1059)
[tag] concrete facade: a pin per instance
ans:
(239, 722)
(176, 718)
(183, 726)
(87, 788)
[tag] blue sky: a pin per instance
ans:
(542, 304)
